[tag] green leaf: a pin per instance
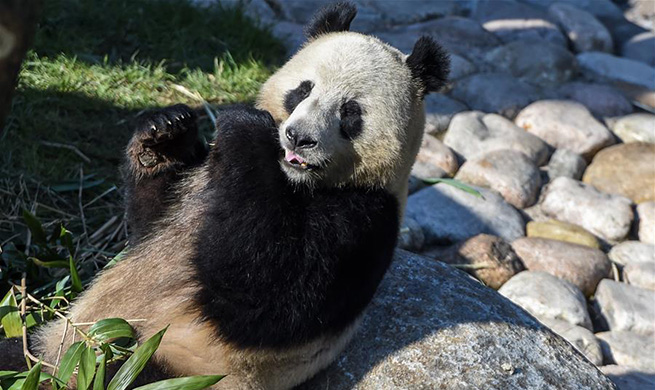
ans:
(76, 282)
(8, 374)
(87, 368)
(50, 264)
(188, 383)
(66, 239)
(454, 183)
(133, 366)
(111, 329)
(10, 315)
(99, 381)
(120, 256)
(70, 360)
(38, 234)
(32, 379)
(75, 185)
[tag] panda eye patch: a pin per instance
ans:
(295, 96)
(351, 119)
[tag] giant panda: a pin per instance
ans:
(275, 239)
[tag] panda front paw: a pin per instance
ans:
(165, 138)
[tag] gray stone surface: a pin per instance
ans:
(631, 252)
(603, 66)
(565, 124)
(601, 100)
(646, 220)
(582, 339)
(628, 378)
(407, 12)
(411, 236)
(640, 275)
(629, 349)
(607, 216)
(584, 31)
(624, 307)
(641, 48)
(431, 326)
(605, 9)
(448, 214)
(536, 62)
(513, 21)
(510, 173)
(472, 134)
(434, 159)
(439, 111)
(290, 33)
(547, 297)
(565, 163)
(638, 127)
(495, 92)
(460, 67)
(580, 265)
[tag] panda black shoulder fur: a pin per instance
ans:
(278, 236)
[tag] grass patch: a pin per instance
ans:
(95, 66)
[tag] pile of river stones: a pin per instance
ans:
(548, 116)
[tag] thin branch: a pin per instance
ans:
(69, 147)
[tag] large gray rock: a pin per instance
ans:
(535, 62)
(625, 307)
(603, 66)
(628, 378)
(641, 47)
(448, 214)
(565, 163)
(580, 265)
(431, 326)
(629, 349)
(585, 32)
(439, 111)
(394, 12)
(638, 127)
(646, 218)
(547, 297)
(640, 275)
(509, 172)
(434, 159)
(607, 216)
(565, 124)
(495, 92)
(581, 338)
(472, 134)
(601, 100)
(460, 67)
(604, 9)
(631, 252)
(512, 21)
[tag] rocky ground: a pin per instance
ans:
(549, 114)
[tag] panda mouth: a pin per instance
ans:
(297, 162)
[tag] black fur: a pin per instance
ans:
(331, 18)
(164, 144)
(430, 64)
(281, 265)
(351, 120)
(296, 96)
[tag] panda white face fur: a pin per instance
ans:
(277, 237)
(350, 107)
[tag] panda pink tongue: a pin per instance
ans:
(292, 158)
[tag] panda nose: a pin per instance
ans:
(299, 139)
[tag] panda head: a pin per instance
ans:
(350, 107)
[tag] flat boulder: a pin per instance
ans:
(603, 101)
(605, 215)
(625, 169)
(638, 127)
(434, 159)
(584, 31)
(581, 338)
(449, 215)
(439, 111)
(580, 265)
(565, 124)
(629, 349)
(624, 307)
(606, 67)
(431, 326)
(646, 222)
(565, 163)
(562, 231)
(641, 48)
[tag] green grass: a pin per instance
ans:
(94, 67)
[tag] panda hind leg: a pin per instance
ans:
(164, 145)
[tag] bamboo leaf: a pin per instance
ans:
(99, 381)
(188, 383)
(50, 264)
(87, 368)
(32, 379)
(76, 282)
(133, 366)
(33, 223)
(66, 238)
(69, 361)
(11, 321)
(455, 183)
(110, 329)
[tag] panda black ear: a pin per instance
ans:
(429, 63)
(331, 18)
